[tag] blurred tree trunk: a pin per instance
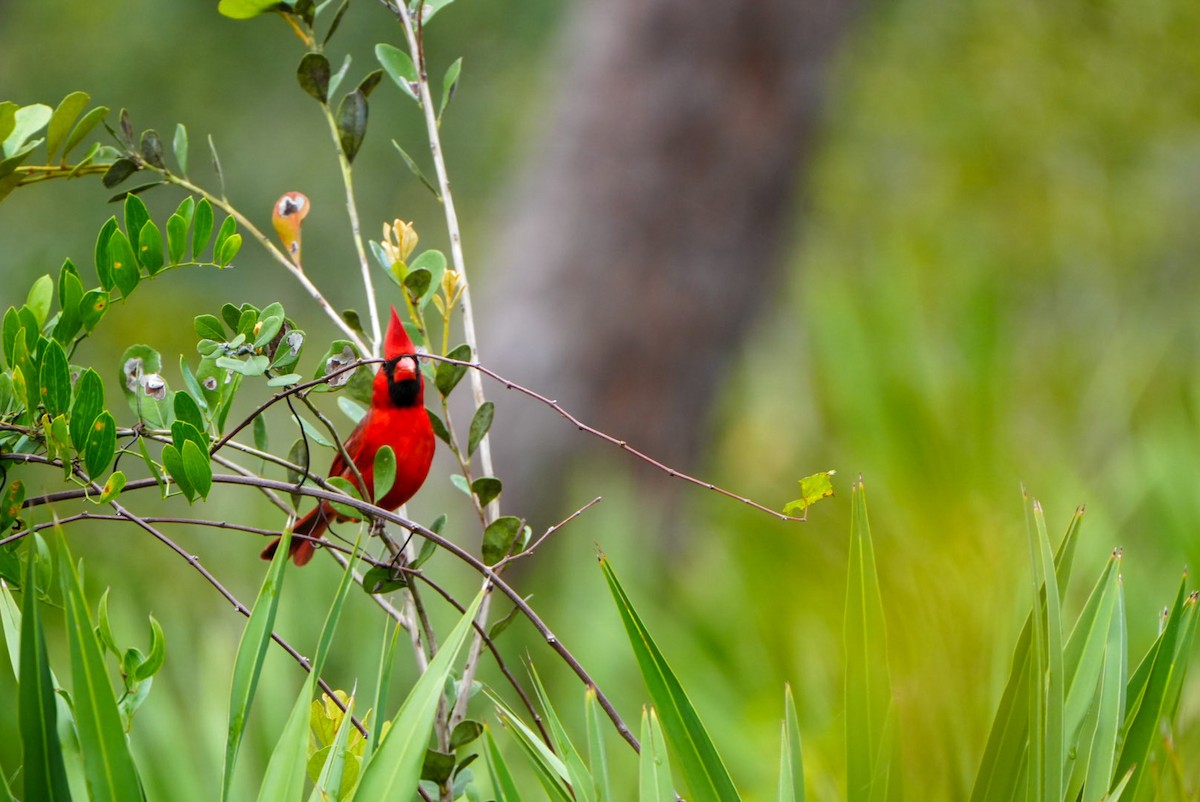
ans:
(649, 226)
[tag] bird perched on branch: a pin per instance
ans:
(396, 418)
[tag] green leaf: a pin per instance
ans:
(1110, 699)
(582, 784)
(123, 263)
(43, 770)
(261, 440)
(176, 238)
(1148, 699)
(439, 426)
(351, 121)
(245, 9)
(812, 489)
(480, 423)
(92, 307)
(267, 330)
(486, 488)
(383, 579)
(210, 326)
(868, 692)
(108, 764)
(447, 376)
(41, 295)
(101, 444)
(416, 170)
(153, 662)
(8, 332)
(10, 507)
(89, 403)
(548, 767)
(654, 768)
(187, 409)
(228, 228)
(198, 468)
(150, 247)
(172, 460)
(385, 471)
(498, 538)
(431, 7)
(70, 293)
(229, 249)
(352, 409)
(136, 216)
(202, 228)
(450, 85)
(252, 649)
(313, 75)
(83, 128)
(347, 487)
(433, 262)
(62, 119)
(113, 487)
(503, 785)
(416, 283)
(697, 756)
(369, 82)
(250, 366)
(284, 777)
(103, 260)
(55, 379)
(791, 763)
(180, 145)
(399, 67)
(1047, 748)
(597, 754)
(27, 121)
(395, 767)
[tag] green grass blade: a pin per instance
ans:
(695, 753)
(1083, 659)
(108, 764)
(597, 755)
(1103, 753)
(284, 778)
(791, 761)
(1048, 671)
(549, 768)
(1148, 708)
(395, 768)
(10, 623)
(1115, 794)
(868, 685)
(503, 786)
(44, 772)
(1005, 752)
(654, 769)
(582, 784)
(248, 663)
(383, 680)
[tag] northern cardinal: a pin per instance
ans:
(397, 418)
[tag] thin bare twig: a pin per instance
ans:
(608, 438)
(514, 557)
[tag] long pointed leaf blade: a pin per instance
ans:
(1005, 752)
(503, 785)
(696, 755)
(654, 769)
(549, 768)
(1108, 718)
(395, 768)
(1055, 702)
(582, 784)
(284, 778)
(597, 755)
(250, 654)
(868, 685)
(329, 781)
(791, 761)
(108, 764)
(44, 772)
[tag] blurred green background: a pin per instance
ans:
(992, 283)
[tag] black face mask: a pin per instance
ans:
(403, 392)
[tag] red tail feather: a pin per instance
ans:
(302, 549)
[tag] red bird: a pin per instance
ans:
(397, 418)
